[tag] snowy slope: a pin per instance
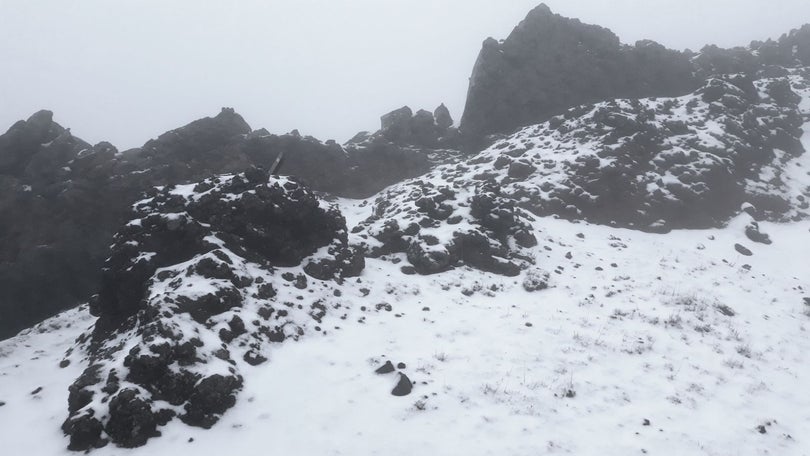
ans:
(650, 338)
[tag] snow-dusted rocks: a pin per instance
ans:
(658, 163)
(197, 284)
(440, 224)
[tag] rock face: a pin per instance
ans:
(203, 275)
(62, 199)
(550, 63)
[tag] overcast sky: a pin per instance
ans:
(126, 71)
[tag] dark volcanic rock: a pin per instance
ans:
(354, 171)
(62, 200)
(659, 163)
(191, 286)
(422, 130)
(60, 203)
(550, 63)
(211, 398)
(425, 222)
(131, 421)
(278, 223)
(404, 386)
(386, 368)
(442, 116)
(753, 233)
(741, 249)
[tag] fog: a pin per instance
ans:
(126, 71)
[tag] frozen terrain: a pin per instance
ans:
(643, 344)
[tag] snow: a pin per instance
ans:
(645, 339)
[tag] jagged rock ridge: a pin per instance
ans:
(550, 63)
(63, 199)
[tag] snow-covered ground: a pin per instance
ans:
(643, 344)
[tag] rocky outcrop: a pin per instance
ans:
(423, 129)
(198, 283)
(353, 171)
(441, 227)
(226, 144)
(770, 57)
(550, 63)
(62, 199)
(661, 163)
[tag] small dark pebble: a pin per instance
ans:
(386, 368)
(36, 391)
(646, 422)
(425, 309)
(64, 363)
(761, 429)
(401, 366)
(742, 250)
(190, 439)
(2, 403)
(528, 324)
(568, 256)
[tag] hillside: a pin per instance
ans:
(610, 273)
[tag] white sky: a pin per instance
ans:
(126, 71)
